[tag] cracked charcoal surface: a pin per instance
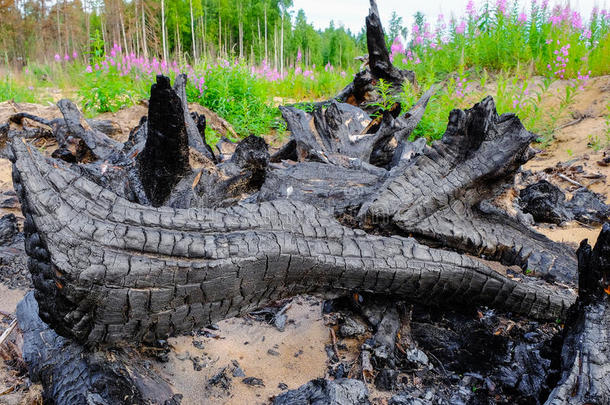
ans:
(438, 196)
(140, 273)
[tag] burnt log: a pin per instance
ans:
(337, 188)
(72, 374)
(108, 270)
(442, 194)
(586, 353)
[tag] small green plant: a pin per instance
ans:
(529, 271)
(595, 143)
(386, 98)
(569, 152)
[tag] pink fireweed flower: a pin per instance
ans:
(460, 29)
(66, 57)
(299, 55)
(74, 55)
(576, 20)
(522, 18)
(57, 57)
(343, 73)
(471, 9)
(89, 69)
(501, 7)
(396, 48)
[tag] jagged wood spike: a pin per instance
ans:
(165, 158)
(196, 137)
(438, 194)
(361, 92)
(585, 356)
(107, 270)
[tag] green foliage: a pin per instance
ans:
(237, 96)
(386, 98)
(11, 90)
(109, 91)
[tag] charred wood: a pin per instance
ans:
(112, 257)
(72, 374)
(165, 158)
(441, 193)
(361, 92)
(586, 356)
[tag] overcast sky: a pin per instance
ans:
(351, 13)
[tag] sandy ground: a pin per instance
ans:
(292, 357)
(297, 355)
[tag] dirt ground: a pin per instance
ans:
(297, 355)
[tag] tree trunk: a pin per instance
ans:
(163, 29)
(266, 51)
(194, 44)
(144, 39)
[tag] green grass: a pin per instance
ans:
(522, 55)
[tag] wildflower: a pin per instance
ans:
(66, 57)
(396, 48)
(74, 55)
(577, 20)
(501, 7)
(460, 29)
(522, 18)
(89, 69)
(470, 9)
(299, 55)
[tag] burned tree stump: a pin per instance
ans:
(135, 244)
(144, 273)
(361, 92)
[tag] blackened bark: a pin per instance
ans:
(165, 158)
(586, 350)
